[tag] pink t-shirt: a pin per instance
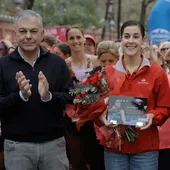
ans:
(80, 75)
(79, 71)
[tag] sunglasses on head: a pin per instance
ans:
(163, 49)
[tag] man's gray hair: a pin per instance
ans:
(28, 13)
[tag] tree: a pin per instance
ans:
(85, 12)
(144, 5)
(11, 7)
(119, 18)
(28, 4)
(69, 12)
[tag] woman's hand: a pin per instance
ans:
(7, 43)
(149, 120)
(103, 119)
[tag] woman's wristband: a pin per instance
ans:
(11, 48)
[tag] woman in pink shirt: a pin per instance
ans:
(83, 148)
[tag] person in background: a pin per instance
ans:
(83, 148)
(167, 62)
(2, 167)
(146, 51)
(34, 91)
(3, 49)
(150, 51)
(63, 50)
(163, 48)
(119, 46)
(107, 52)
(6, 47)
(164, 130)
(49, 42)
(90, 44)
(134, 75)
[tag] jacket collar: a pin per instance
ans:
(119, 66)
(15, 54)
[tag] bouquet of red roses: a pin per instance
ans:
(93, 87)
(89, 101)
(89, 97)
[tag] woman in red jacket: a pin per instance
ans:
(133, 75)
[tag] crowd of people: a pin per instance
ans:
(36, 75)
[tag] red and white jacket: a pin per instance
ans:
(148, 81)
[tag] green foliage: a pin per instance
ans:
(84, 12)
(69, 12)
(7, 7)
(131, 134)
(88, 99)
(83, 88)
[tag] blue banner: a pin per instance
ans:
(159, 22)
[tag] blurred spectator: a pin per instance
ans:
(163, 48)
(164, 131)
(150, 51)
(146, 51)
(119, 46)
(63, 50)
(107, 52)
(49, 42)
(6, 47)
(3, 49)
(89, 44)
(167, 62)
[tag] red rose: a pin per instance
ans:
(83, 95)
(92, 80)
(99, 75)
(78, 96)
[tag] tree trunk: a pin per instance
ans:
(144, 5)
(28, 4)
(143, 12)
(119, 18)
(104, 27)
